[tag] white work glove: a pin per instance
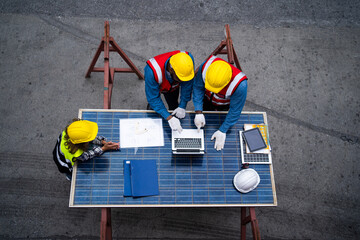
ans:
(179, 113)
(175, 124)
(219, 140)
(199, 121)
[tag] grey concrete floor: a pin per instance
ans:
(302, 61)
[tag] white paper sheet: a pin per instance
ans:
(141, 132)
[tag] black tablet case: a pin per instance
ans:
(254, 139)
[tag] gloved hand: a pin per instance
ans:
(179, 113)
(199, 121)
(175, 124)
(219, 139)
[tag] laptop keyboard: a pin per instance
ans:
(187, 142)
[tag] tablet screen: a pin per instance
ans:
(254, 139)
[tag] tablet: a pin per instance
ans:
(254, 139)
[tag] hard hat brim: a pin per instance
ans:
(186, 78)
(213, 89)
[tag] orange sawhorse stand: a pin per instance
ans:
(226, 47)
(107, 45)
(251, 218)
(105, 225)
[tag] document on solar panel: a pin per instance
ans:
(141, 132)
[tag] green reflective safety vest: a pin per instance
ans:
(69, 156)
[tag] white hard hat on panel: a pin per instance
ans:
(246, 180)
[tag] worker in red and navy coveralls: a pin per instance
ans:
(219, 86)
(166, 74)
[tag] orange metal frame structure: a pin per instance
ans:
(108, 45)
(225, 47)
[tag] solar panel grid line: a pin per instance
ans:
(193, 171)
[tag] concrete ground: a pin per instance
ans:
(302, 60)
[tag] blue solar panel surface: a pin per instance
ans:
(184, 180)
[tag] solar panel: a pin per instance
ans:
(184, 180)
(254, 158)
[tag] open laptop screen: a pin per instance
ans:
(189, 141)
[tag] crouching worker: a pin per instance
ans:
(79, 142)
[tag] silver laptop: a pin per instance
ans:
(189, 141)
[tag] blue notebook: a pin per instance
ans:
(140, 178)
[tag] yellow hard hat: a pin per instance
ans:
(82, 131)
(217, 76)
(183, 66)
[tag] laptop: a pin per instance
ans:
(189, 141)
